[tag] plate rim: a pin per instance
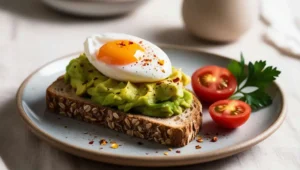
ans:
(150, 161)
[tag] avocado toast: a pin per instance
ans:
(145, 98)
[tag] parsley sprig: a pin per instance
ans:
(252, 82)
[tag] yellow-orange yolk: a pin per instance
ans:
(119, 52)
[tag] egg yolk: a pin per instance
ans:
(119, 52)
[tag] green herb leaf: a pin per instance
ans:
(257, 99)
(259, 75)
(237, 69)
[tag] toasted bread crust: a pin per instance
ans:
(60, 99)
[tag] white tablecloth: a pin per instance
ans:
(31, 35)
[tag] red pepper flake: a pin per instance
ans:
(178, 151)
(130, 42)
(161, 62)
(141, 42)
(163, 70)
(214, 139)
(176, 80)
(122, 44)
(154, 55)
(91, 142)
(144, 64)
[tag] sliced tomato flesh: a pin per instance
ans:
(213, 83)
(230, 113)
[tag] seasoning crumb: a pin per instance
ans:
(140, 143)
(198, 147)
(114, 146)
(166, 153)
(170, 149)
(214, 139)
(156, 152)
(178, 151)
(103, 142)
(101, 148)
(91, 142)
(199, 139)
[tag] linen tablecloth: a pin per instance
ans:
(31, 35)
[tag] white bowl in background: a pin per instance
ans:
(95, 8)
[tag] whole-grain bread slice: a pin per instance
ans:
(175, 131)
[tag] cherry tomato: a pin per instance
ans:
(213, 83)
(230, 113)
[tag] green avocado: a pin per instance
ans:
(160, 99)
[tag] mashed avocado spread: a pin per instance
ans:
(160, 99)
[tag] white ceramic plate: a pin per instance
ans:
(74, 136)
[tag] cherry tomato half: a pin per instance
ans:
(230, 113)
(213, 83)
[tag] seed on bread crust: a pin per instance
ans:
(95, 110)
(51, 105)
(169, 132)
(116, 115)
(87, 108)
(148, 125)
(127, 122)
(61, 105)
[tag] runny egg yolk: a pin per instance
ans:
(119, 52)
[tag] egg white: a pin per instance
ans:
(134, 72)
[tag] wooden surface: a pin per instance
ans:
(31, 35)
